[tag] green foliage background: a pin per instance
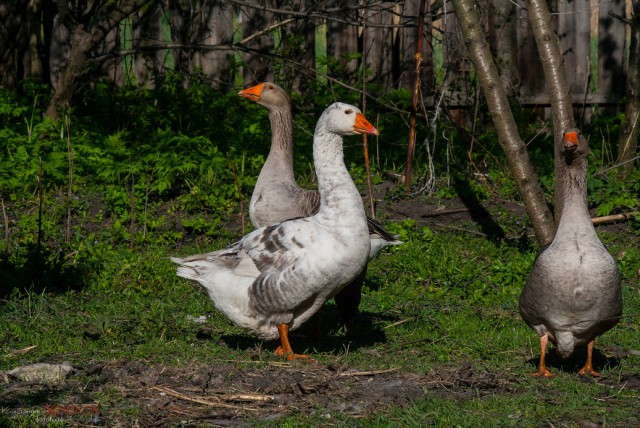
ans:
(169, 171)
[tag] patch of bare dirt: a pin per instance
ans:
(229, 395)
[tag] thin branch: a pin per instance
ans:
(266, 30)
(367, 165)
(618, 165)
(331, 14)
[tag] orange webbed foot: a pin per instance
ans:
(543, 372)
(284, 350)
(588, 366)
(290, 356)
(588, 371)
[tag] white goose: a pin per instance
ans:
(277, 197)
(276, 277)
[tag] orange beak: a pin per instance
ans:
(570, 139)
(363, 126)
(253, 93)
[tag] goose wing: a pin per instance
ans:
(289, 275)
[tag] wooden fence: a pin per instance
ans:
(238, 42)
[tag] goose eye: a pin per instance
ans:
(348, 111)
(270, 87)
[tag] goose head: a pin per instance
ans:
(266, 94)
(574, 145)
(344, 119)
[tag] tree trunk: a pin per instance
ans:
(628, 140)
(508, 136)
(82, 42)
(414, 101)
(13, 40)
(561, 107)
(504, 42)
(34, 19)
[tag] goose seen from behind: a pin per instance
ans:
(276, 277)
(573, 292)
(277, 197)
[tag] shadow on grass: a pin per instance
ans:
(576, 361)
(478, 213)
(38, 270)
(331, 340)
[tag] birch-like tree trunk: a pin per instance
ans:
(508, 137)
(561, 107)
(628, 140)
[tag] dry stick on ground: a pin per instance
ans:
(370, 373)
(614, 217)
(171, 392)
(561, 107)
(364, 110)
(21, 351)
(414, 102)
(508, 136)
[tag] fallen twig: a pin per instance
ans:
(246, 397)
(614, 217)
(369, 373)
(21, 351)
(444, 212)
(399, 322)
(198, 400)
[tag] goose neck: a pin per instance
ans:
(575, 210)
(281, 130)
(337, 191)
(280, 159)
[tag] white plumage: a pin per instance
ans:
(277, 197)
(276, 277)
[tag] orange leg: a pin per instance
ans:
(284, 350)
(588, 366)
(542, 367)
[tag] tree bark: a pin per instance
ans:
(630, 129)
(13, 39)
(508, 136)
(504, 42)
(34, 19)
(82, 42)
(561, 108)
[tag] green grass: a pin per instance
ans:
(442, 300)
